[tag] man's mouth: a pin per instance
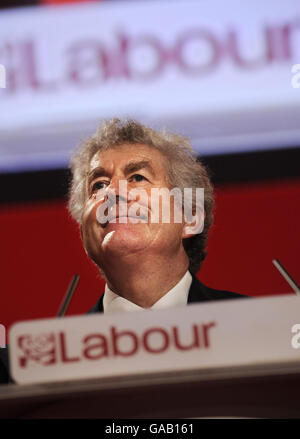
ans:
(125, 219)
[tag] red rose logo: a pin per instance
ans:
(38, 348)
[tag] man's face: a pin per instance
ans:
(140, 168)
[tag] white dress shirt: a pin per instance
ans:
(177, 296)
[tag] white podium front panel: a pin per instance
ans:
(210, 336)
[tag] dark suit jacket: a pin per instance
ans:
(198, 293)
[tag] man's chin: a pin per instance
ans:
(125, 238)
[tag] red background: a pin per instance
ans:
(41, 250)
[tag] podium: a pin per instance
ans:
(214, 360)
(268, 392)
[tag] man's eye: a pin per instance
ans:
(98, 186)
(138, 177)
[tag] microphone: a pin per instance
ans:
(68, 296)
(287, 276)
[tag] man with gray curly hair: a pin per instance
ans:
(148, 255)
(123, 178)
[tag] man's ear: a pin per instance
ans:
(194, 227)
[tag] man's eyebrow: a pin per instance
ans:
(129, 168)
(137, 166)
(97, 172)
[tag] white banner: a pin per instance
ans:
(215, 335)
(223, 73)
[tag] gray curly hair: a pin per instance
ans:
(184, 170)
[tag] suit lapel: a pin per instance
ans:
(197, 291)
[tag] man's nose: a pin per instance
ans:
(117, 191)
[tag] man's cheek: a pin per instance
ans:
(92, 244)
(88, 210)
(90, 225)
(89, 230)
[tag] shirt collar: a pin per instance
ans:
(177, 296)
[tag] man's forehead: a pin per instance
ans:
(126, 154)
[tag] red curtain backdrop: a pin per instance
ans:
(41, 250)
